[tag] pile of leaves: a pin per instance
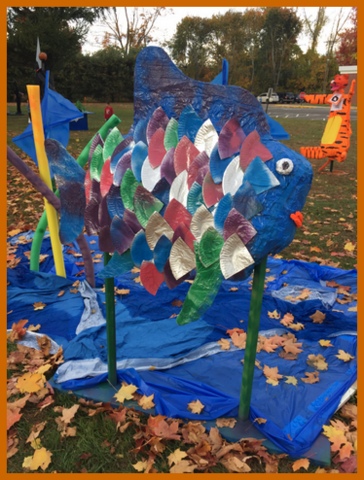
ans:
(159, 444)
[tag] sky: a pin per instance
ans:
(166, 25)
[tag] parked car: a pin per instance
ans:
(263, 98)
(298, 98)
(286, 97)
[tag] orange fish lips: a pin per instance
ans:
(297, 217)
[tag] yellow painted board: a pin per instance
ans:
(44, 173)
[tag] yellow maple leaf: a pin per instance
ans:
(325, 343)
(345, 357)
(224, 344)
(176, 457)
(291, 380)
(301, 463)
(40, 459)
(296, 326)
(30, 382)
(125, 393)
(146, 402)
(353, 309)
(196, 406)
(349, 247)
(140, 466)
(137, 279)
(274, 314)
(39, 305)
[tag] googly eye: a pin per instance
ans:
(284, 166)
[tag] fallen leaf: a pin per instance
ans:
(122, 291)
(17, 330)
(39, 305)
(40, 459)
(35, 431)
(291, 380)
(195, 407)
(349, 247)
(140, 466)
(325, 343)
(125, 393)
(146, 402)
(274, 314)
(30, 382)
(184, 466)
(13, 415)
(292, 347)
(272, 375)
(345, 357)
(177, 303)
(301, 463)
(287, 319)
(318, 317)
(176, 457)
(260, 420)
(226, 422)
(159, 427)
(317, 361)
(311, 377)
(224, 344)
(235, 465)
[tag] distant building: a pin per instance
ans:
(352, 70)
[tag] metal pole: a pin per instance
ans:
(252, 339)
(110, 325)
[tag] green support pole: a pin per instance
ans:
(43, 222)
(110, 325)
(252, 339)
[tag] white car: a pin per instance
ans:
(263, 98)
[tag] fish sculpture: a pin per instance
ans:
(197, 188)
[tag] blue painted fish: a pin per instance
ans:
(198, 185)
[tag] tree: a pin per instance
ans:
(61, 32)
(314, 27)
(336, 29)
(347, 52)
(279, 35)
(130, 28)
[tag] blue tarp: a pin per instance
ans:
(187, 361)
(57, 113)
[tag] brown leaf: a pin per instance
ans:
(311, 377)
(235, 465)
(17, 330)
(13, 415)
(272, 375)
(287, 319)
(161, 428)
(35, 431)
(292, 347)
(177, 303)
(226, 422)
(260, 420)
(274, 314)
(317, 361)
(325, 343)
(318, 317)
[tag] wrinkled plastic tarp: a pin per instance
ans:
(189, 362)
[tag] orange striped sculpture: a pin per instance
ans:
(335, 141)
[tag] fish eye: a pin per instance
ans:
(284, 166)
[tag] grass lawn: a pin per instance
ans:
(73, 436)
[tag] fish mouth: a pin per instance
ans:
(297, 217)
